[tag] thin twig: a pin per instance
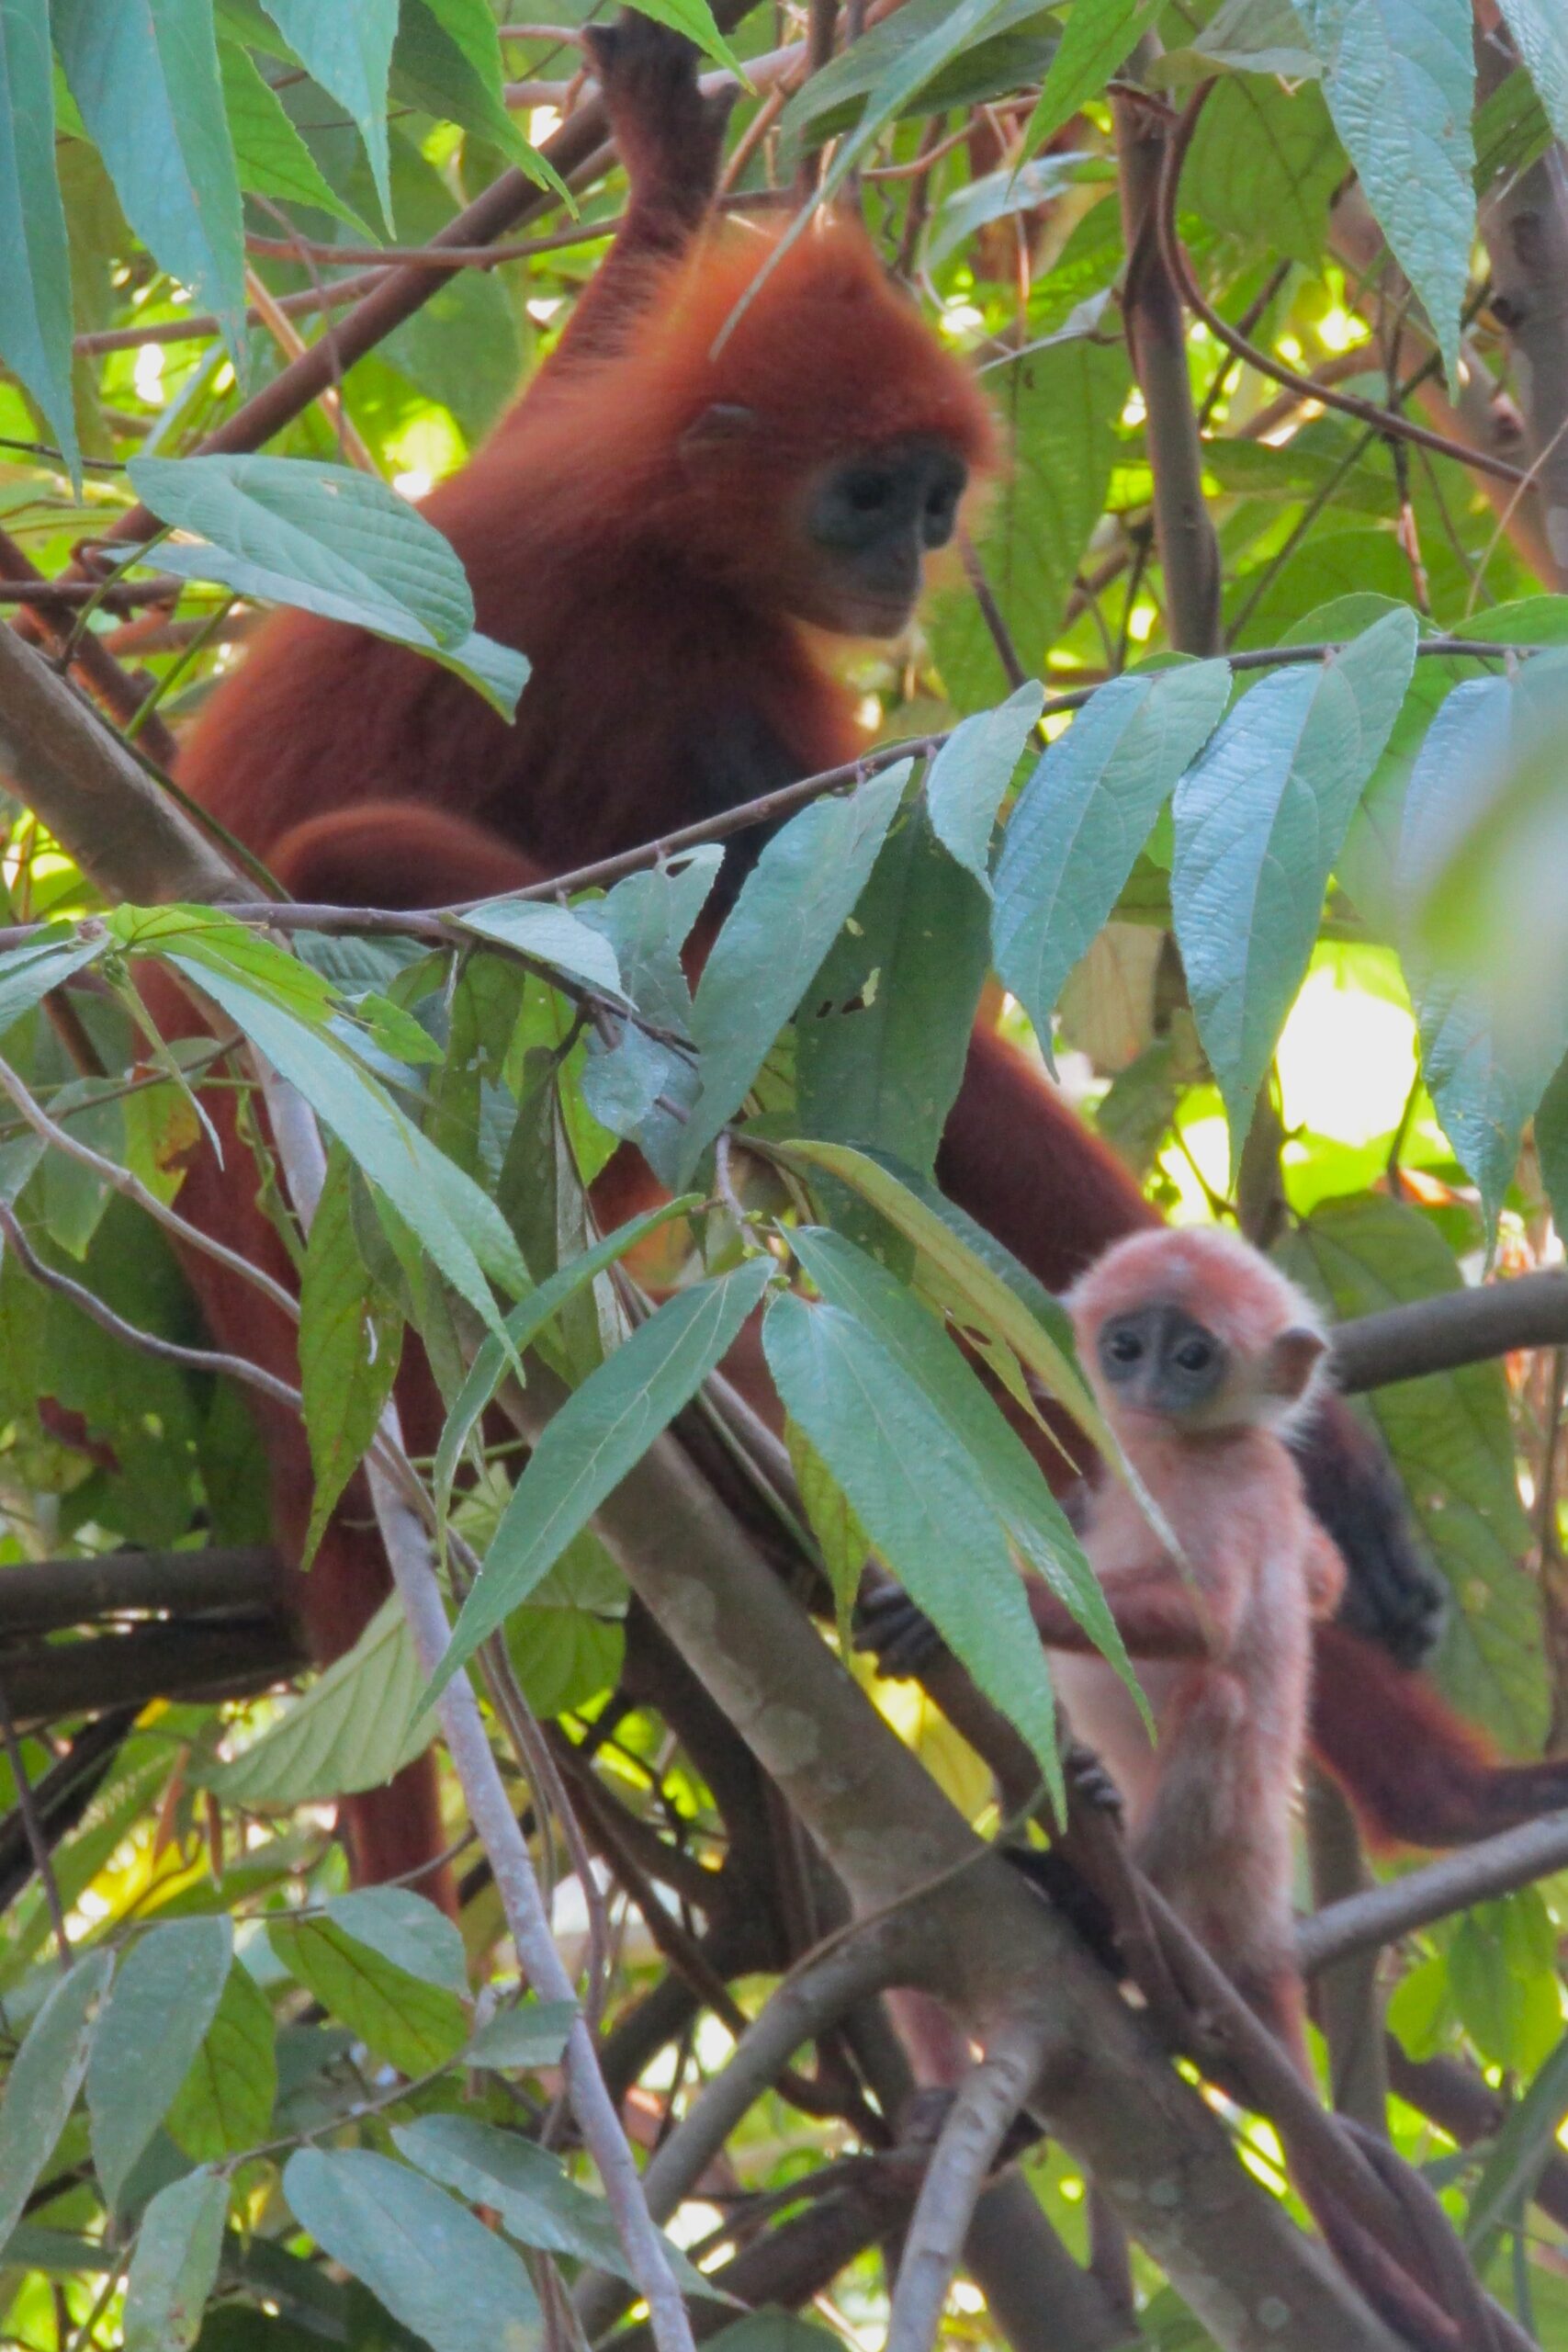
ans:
(1305, 386)
(533, 1755)
(123, 596)
(991, 611)
(131, 1187)
(151, 1343)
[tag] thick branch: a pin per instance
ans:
(1456, 1328)
(1497, 1866)
(1157, 337)
(46, 1596)
(53, 1680)
(985, 2107)
(127, 835)
(1524, 223)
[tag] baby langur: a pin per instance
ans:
(1202, 1357)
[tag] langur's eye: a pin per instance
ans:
(1194, 1355)
(866, 491)
(1124, 1346)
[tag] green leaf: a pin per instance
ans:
(1096, 40)
(225, 2105)
(34, 261)
(165, 1996)
(974, 1274)
(27, 973)
(1520, 2156)
(1003, 195)
(1259, 820)
(1494, 911)
(332, 540)
(447, 60)
(1255, 37)
(1540, 36)
(1035, 1521)
(174, 2267)
(144, 75)
(273, 159)
(1263, 167)
(792, 903)
(844, 1541)
(960, 27)
(1451, 1442)
(523, 1325)
(604, 1429)
(919, 1499)
(353, 1729)
(435, 2268)
(648, 918)
(1059, 404)
(1014, 49)
(882, 1038)
(1484, 1078)
(459, 1225)
(563, 1658)
(406, 1930)
(1399, 76)
(349, 1346)
(530, 2034)
(1083, 817)
(972, 772)
(415, 2026)
(348, 51)
(1299, 470)
(694, 19)
(772, 2332)
(552, 936)
(45, 2077)
(1552, 1144)
(525, 2185)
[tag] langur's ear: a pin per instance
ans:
(1292, 1360)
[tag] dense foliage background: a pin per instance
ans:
(1265, 691)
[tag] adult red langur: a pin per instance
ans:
(660, 527)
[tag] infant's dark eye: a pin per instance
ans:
(1194, 1355)
(1124, 1347)
(866, 492)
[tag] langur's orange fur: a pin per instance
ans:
(1203, 1358)
(1223, 1633)
(648, 524)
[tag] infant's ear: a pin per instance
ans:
(1292, 1359)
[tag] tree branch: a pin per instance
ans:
(125, 833)
(1524, 225)
(985, 2107)
(207, 1660)
(1457, 1326)
(1157, 337)
(1381, 1914)
(1384, 420)
(47, 1596)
